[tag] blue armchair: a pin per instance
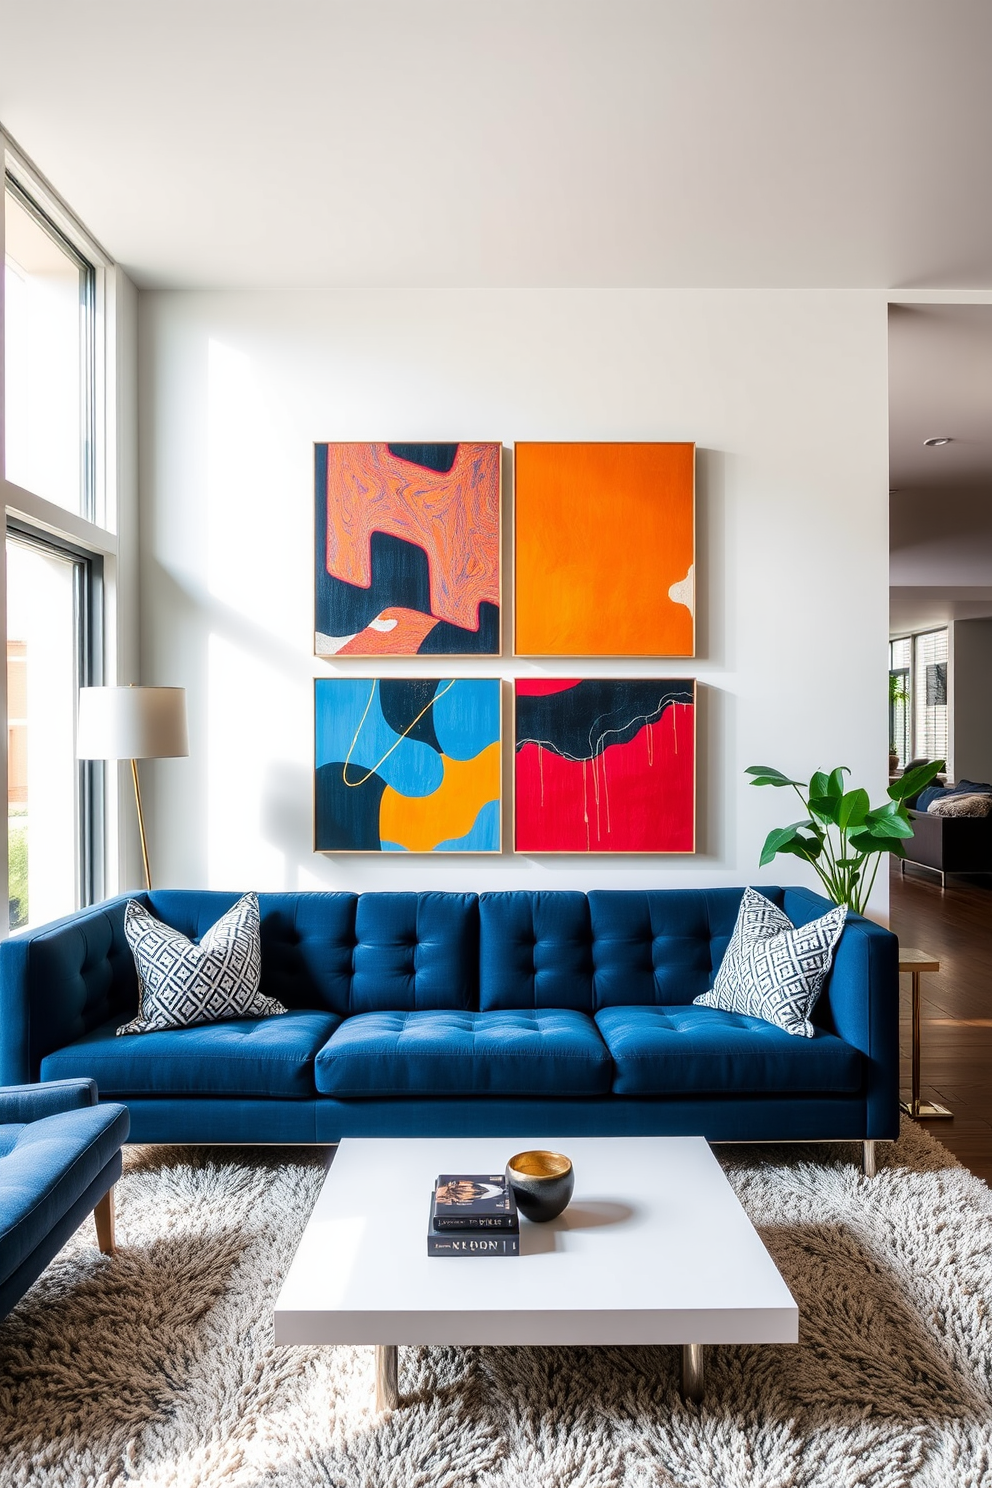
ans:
(60, 1156)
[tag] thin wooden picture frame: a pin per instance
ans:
(536, 582)
(689, 684)
(370, 733)
(400, 566)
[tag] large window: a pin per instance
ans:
(48, 358)
(900, 712)
(918, 696)
(48, 790)
(55, 435)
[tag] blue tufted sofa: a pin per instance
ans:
(443, 1013)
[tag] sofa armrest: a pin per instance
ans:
(32, 1102)
(860, 1003)
(926, 846)
(59, 982)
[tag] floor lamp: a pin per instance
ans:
(132, 723)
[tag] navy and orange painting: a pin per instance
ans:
(605, 766)
(407, 549)
(407, 764)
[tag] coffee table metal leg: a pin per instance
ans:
(692, 1371)
(387, 1389)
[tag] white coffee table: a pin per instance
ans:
(654, 1248)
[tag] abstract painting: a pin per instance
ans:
(605, 539)
(407, 549)
(407, 766)
(605, 766)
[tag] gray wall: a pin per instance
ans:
(972, 699)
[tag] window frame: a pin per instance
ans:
(87, 593)
(91, 538)
(87, 508)
(914, 637)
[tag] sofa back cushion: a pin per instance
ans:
(659, 948)
(536, 951)
(415, 951)
(354, 953)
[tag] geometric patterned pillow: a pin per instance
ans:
(182, 982)
(771, 969)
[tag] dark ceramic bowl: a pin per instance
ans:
(542, 1183)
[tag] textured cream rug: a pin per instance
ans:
(158, 1367)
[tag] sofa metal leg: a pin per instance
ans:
(387, 1388)
(868, 1166)
(104, 1216)
(692, 1372)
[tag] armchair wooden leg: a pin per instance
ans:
(104, 1216)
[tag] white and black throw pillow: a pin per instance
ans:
(182, 982)
(773, 969)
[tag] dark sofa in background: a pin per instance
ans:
(948, 844)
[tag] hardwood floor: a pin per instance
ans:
(954, 925)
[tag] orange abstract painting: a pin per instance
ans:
(605, 538)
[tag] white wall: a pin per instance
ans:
(785, 396)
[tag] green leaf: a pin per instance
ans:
(912, 783)
(809, 848)
(777, 839)
(820, 784)
(891, 820)
(826, 807)
(768, 775)
(836, 784)
(854, 807)
(876, 840)
(849, 862)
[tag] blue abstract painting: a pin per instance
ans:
(406, 765)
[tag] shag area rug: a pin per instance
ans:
(157, 1367)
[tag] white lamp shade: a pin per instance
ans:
(131, 723)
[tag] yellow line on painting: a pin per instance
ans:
(353, 784)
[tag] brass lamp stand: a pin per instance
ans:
(132, 723)
(141, 824)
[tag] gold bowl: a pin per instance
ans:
(542, 1183)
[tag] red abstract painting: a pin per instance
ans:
(605, 766)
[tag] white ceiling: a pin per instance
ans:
(940, 508)
(778, 143)
(927, 608)
(940, 385)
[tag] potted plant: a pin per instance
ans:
(841, 831)
(897, 694)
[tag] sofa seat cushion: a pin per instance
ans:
(240, 1057)
(50, 1165)
(9, 1135)
(549, 1052)
(704, 1051)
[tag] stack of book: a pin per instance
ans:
(473, 1214)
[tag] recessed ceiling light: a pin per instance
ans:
(932, 443)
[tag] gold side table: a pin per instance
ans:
(916, 963)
